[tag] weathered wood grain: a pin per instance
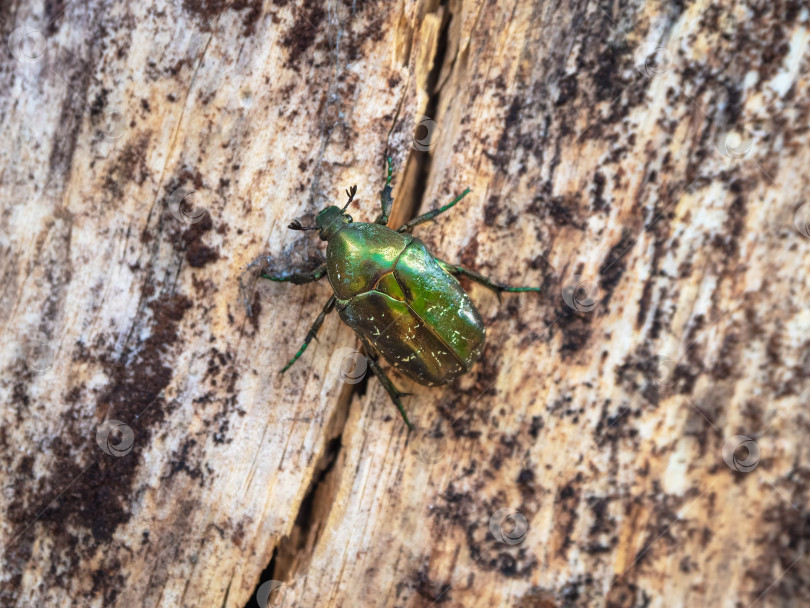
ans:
(644, 162)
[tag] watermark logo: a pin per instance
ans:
(182, 208)
(508, 526)
(736, 144)
(652, 60)
(27, 44)
(580, 293)
(39, 356)
(111, 431)
(426, 133)
(115, 125)
(665, 371)
(275, 594)
(741, 453)
(348, 365)
(801, 220)
(431, 447)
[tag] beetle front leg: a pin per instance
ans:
(386, 200)
(299, 278)
(498, 288)
(393, 392)
(431, 214)
(330, 304)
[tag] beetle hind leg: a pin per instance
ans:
(330, 304)
(392, 390)
(498, 288)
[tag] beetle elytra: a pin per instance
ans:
(401, 301)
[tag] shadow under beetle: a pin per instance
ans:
(401, 301)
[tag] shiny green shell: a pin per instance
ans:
(396, 296)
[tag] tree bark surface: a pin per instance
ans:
(632, 436)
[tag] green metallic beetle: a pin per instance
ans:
(403, 303)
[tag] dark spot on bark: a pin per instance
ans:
(536, 426)
(526, 477)
(431, 590)
(469, 255)
(491, 210)
(623, 594)
(575, 328)
(198, 255)
(504, 151)
(613, 267)
(599, 203)
(728, 358)
(252, 17)
(568, 90)
(564, 210)
(54, 11)
(301, 36)
(209, 10)
(99, 103)
(255, 311)
(565, 515)
(128, 166)
(178, 462)
(644, 303)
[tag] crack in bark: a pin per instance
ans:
(293, 553)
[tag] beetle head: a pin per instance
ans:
(330, 220)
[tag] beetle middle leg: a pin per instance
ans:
(498, 288)
(393, 392)
(431, 214)
(330, 304)
(299, 278)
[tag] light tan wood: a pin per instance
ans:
(645, 163)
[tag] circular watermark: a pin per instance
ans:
(801, 220)
(581, 293)
(665, 371)
(736, 143)
(508, 526)
(109, 432)
(182, 208)
(431, 447)
(426, 133)
(741, 453)
(652, 60)
(27, 44)
(115, 125)
(274, 593)
(39, 356)
(348, 365)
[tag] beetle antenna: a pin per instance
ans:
(296, 225)
(350, 193)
